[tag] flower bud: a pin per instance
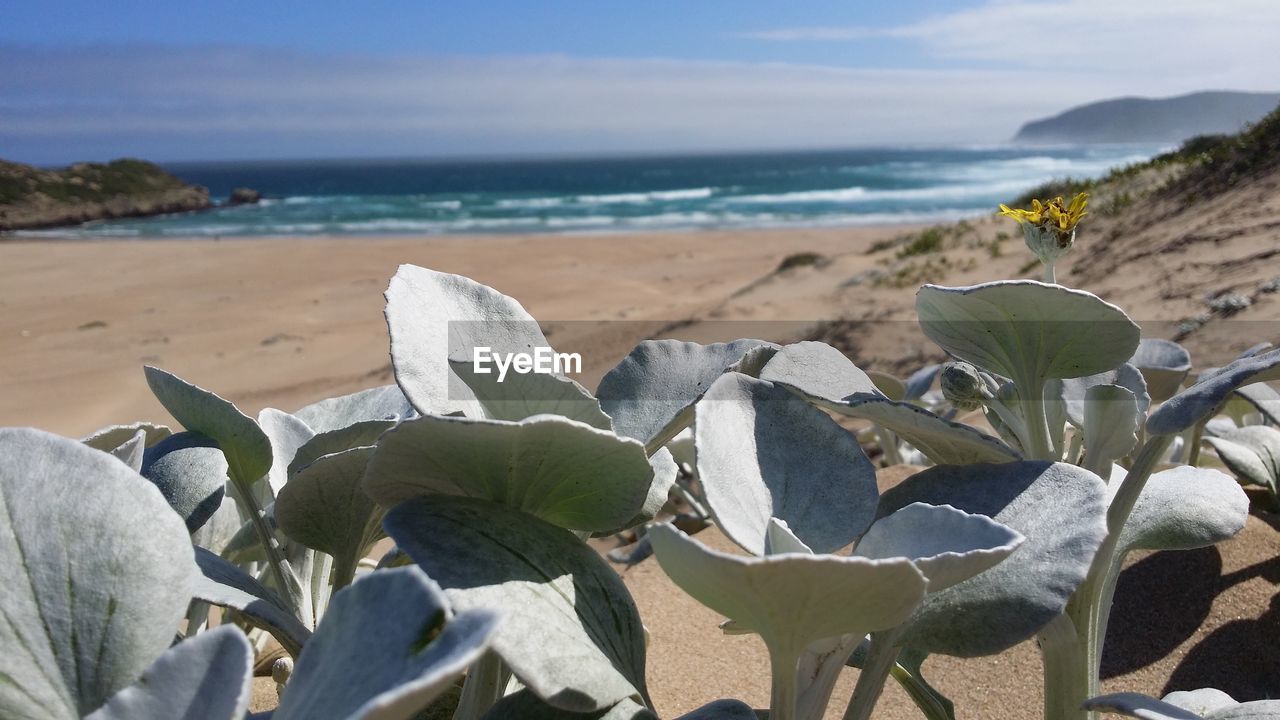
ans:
(1048, 242)
(962, 386)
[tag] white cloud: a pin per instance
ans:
(1163, 45)
(1000, 64)
(504, 104)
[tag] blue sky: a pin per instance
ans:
(171, 81)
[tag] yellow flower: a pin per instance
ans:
(1050, 227)
(1055, 213)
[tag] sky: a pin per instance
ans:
(170, 81)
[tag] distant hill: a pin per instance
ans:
(32, 197)
(1142, 120)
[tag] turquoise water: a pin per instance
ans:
(833, 188)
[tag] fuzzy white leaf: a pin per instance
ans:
(1026, 330)
(1164, 365)
(947, 545)
(94, 587)
(651, 393)
(763, 453)
(434, 317)
(206, 677)
(570, 630)
(565, 472)
(377, 655)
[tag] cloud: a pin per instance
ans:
(193, 103)
(1156, 44)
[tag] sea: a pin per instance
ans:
(620, 194)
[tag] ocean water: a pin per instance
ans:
(830, 188)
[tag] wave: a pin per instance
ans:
(643, 197)
(537, 202)
(860, 194)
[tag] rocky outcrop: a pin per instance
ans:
(32, 197)
(244, 196)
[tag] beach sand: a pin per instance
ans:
(283, 322)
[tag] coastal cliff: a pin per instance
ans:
(1144, 120)
(32, 197)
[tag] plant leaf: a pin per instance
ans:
(889, 385)
(1027, 330)
(1139, 706)
(362, 433)
(206, 677)
(665, 472)
(1074, 391)
(1061, 511)
(791, 600)
(287, 433)
(527, 706)
(1251, 452)
(114, 436)
(778, 539)
(1264, 398)
(816, 368)
(763, 452)
(219, 529)
(570, 630)
(948, 545)
(246, 446)
(380, 653)
(1202, 701)
(921, 381)
(191, 473)
(651, 393)
(1112, 418)
(1198, 402)
(522, 395)
(828, 379)
(94, 587)
(721, 710)
(130, 451)
(434, 317)
(324, 507)
(386, 402)
(223, 584)
(565, 472)
(1184, 508)
(1164, 365)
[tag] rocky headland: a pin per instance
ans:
(32, 197)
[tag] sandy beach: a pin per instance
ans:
(280, 322)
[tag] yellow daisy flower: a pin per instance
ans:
(1050, 227)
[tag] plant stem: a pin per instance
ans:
(276, 561)
(1073, 450)
(1089, 610)
(694, 503)
(485, 685)
(782, 695)
(344, 572)
(888, 446)
(1039, 447)
(933, 705)
(1066, 679)
(1193, 445)
(1049, 274)
(881, 657)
